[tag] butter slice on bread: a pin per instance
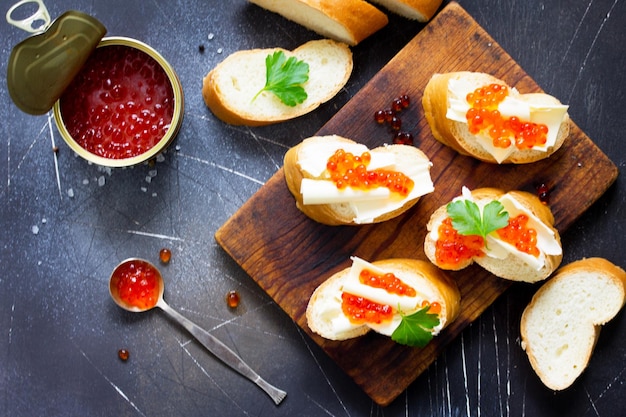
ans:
(229, 88)
(561, 324)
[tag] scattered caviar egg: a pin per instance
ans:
(380, 117)
(483, 116)
(165, 255)
(543, 193)
(396, 105)
(405, 101)
(123, 354)
(403, 138)
(233, 299)
(120, 105)
(395, 123)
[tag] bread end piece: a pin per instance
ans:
(456, 135)
(560, 326)
(348, 21)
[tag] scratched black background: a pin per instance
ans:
(60, 332)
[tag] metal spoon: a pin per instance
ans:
(209, 341)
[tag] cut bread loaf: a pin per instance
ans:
(324, 311)
(420, 10)
(445, 108)
(229, 89)
(305, 170)
(561, 324)
(348, 21)
(498, 257)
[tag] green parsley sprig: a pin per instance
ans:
(416, 330)
(468, 220)
(284, 77)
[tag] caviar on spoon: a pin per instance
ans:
(137, 285)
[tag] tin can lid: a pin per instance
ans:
(42, 66)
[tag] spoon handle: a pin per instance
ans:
(224, 353)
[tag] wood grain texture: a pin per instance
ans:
(289, 255)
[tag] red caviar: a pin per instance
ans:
(233, 299)
(483, 115)
(137, 284)
(348, 170)
(388, 282)
(435, 308)
(360, 310)
(121, 103)
(517, 233)
(453, 248)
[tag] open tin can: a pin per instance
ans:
(117, 102)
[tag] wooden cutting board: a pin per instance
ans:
(289, 255)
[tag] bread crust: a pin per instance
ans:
(336, 214)
(348, 21)
(550, 309)
(231, 105)
(420, 10)
(510, 268)
(446, 289)
(454, 134)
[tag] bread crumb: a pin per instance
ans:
(35, 229)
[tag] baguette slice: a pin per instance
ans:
(407, 159)
(561, 324)
(507, 265)
(439, 98)
(325, 317)
(229, 88)
(420, 10)
(347, 21)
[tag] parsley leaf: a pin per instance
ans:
(468, 220)
(284, 77)
(416, 329)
